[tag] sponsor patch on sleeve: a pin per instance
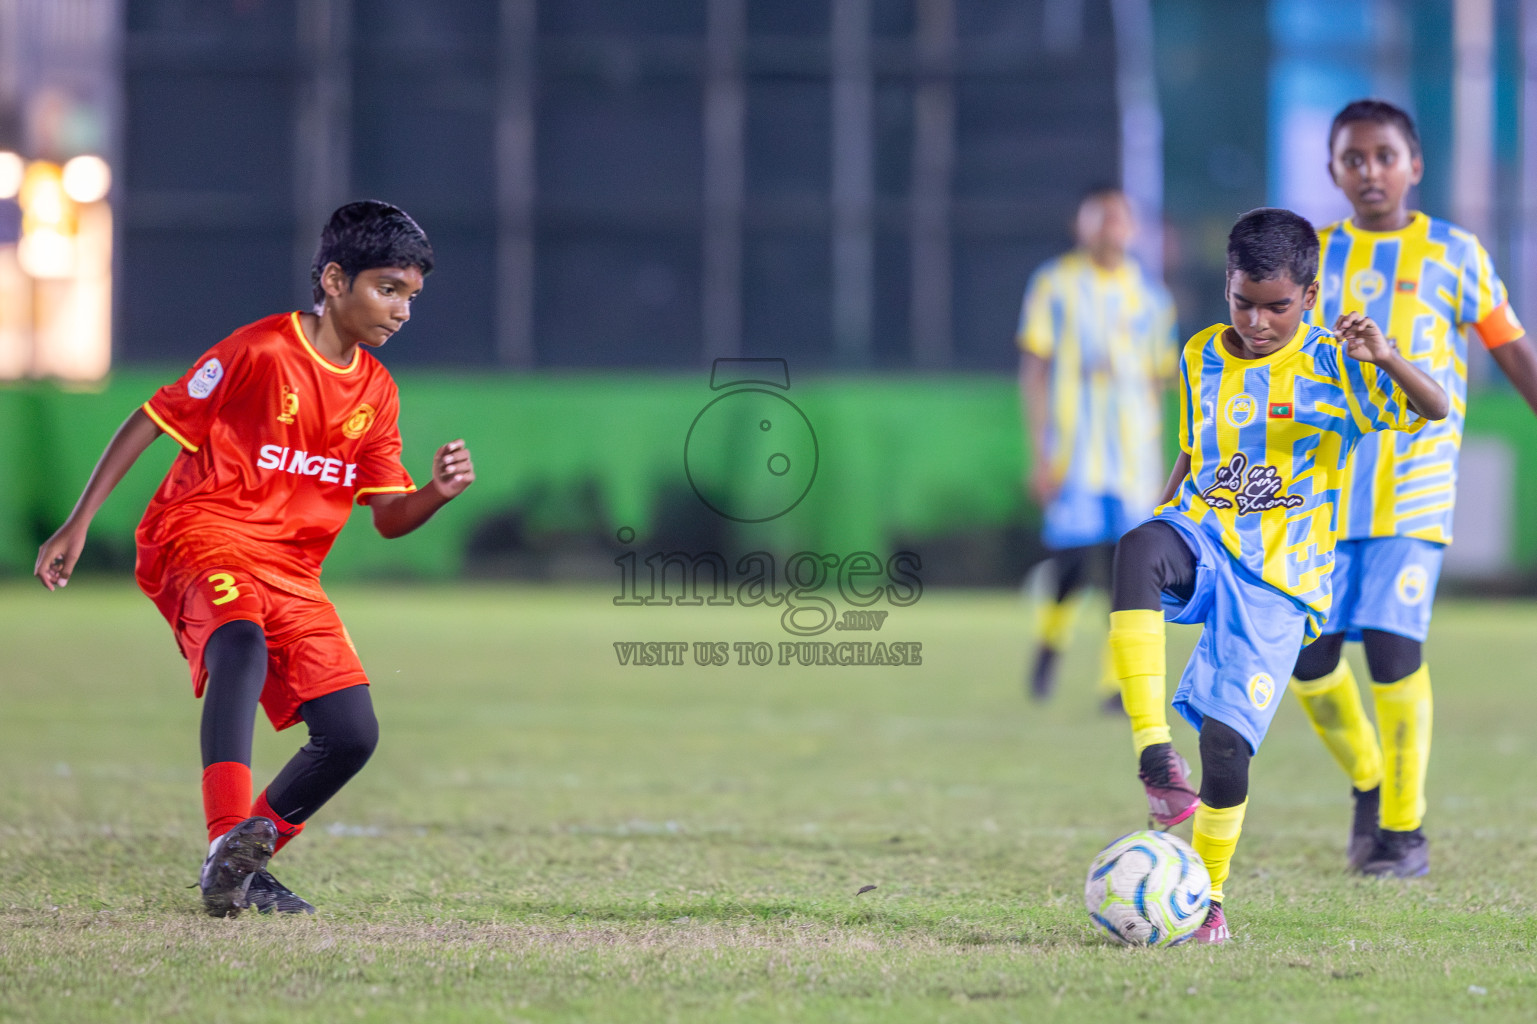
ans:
(206, 379)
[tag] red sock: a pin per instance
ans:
(286, 830)
(226, 796)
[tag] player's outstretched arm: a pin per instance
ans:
(1176, 477)
(1034, 393)
(57, 557)
(396, 515)
(1517, 360)
(1365, 341)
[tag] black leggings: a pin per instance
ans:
(236, 659)
(1079, 567)
(343, 729)
(1149, 560)
(1389, 656)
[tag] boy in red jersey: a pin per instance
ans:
(282, 426)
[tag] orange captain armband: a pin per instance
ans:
(1500, 327)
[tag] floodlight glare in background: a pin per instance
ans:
(56, 279)
(87, 179)
(47, 246)
(11, 169)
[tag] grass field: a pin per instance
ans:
(544, 835)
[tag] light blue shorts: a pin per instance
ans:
(1077, 519)
(1241, 664)
(1386, 583)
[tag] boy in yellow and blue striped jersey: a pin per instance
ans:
(1429, 283)
(1097, 339)
(1270, 410)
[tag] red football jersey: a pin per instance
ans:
(276, 442)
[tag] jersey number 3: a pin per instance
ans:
(224, 586)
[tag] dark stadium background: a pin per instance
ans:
(620, 192)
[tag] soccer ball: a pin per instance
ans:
(1148, 889)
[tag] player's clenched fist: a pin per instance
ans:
(452, 469)
(1364, 340)
(57, 557)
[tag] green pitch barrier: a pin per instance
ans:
(580, 458)
(589, 455)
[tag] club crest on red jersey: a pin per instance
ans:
(288, 404)
(359, 422)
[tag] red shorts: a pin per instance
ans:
(309, 653)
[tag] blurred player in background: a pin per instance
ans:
(1427, 282)
(1098, 347)
(1243, 542)
(282, 426)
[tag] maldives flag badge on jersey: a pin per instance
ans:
(1280, 410)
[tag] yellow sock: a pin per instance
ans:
(1215, 837)
(1108, 683)
(1056, 623)
(1136, 649)
(1333, 705)
(1403, 717)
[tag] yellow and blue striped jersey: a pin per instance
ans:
(1109, 336)
(1269, 440)
(1424, 285)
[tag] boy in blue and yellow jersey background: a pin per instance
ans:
(1429, 284)
(1097, 338)
(1243, 543)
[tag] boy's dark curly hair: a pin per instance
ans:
(367, 234)
(1381, 112)
(1269, 241)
